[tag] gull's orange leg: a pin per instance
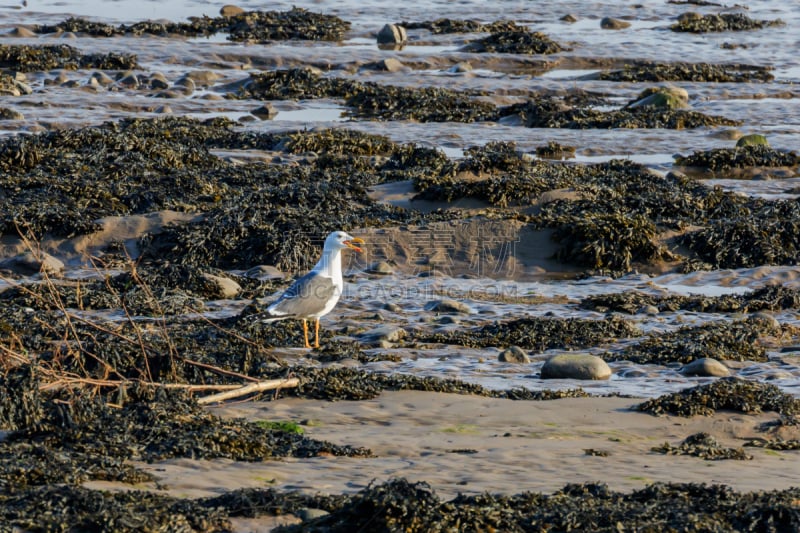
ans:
(316, 334)
(305, 333)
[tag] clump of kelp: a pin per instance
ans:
(369, 100)
(682, 71)
(255, 212)
(732, 394)
(769, 298)
(735, 341)
(725, 159)
(538, 333)
(696, 23)
(74, 508)
(31, 58)
(516, 41)
(146, 290)
(445, 25)
(257, 26)
(552, 113)
(766, 233)
(704, 446)
(402, 505)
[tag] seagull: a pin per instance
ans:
(316, 294)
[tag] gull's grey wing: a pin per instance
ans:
(306, 297)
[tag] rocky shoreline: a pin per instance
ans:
(138, 254)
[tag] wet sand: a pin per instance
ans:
(469, 444)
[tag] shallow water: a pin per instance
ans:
(770, 108)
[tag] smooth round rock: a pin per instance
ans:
(380, 267)
(392, 34)
(447, 305)
(514, 354)
(667, 97)
(265, 112)
(224, 288)
(608, 23)
(575, 366)
(706, 367)
(383, 336)
(230, 10)
(753, 139)
(389, 64)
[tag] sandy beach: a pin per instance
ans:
(469, 444)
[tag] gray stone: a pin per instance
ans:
(158, 81)
(569, 17)
(203, 78)
(131, 81)
(163, 110)
(447, 305)
(608, 23)
(265, 112)
(383, 335)
(264, 272)
(185, 85)
(22, 31)
(23, 87)
(514, 354)
(380, 267)
(575, 366)
(102, 78)
(10, 114)
(308, 513)
(223, 287)
(389, 64)
(392, 34)
(651, 310)
(28, 263)
(705, 366)
(230, 10)
(169, 93)
(393, 307)
(460, 68)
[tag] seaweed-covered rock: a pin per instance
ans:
(749, 155)
(767, 234)
(734, 341)
(769, 298)
(64, 508)
(697, 23)
(663, 97)
(26, 58)
(681, 71)
(517, 41)
(258, 26)
(445, 25)
(613, 241)
(538, 333)
(704, 446)
(550, 113)
(754, 139)
(732, 394)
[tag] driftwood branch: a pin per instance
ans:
(249, 389)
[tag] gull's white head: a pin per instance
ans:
(339, 240)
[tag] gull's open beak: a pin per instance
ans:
(351, 243)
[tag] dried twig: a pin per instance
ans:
(249, 389)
